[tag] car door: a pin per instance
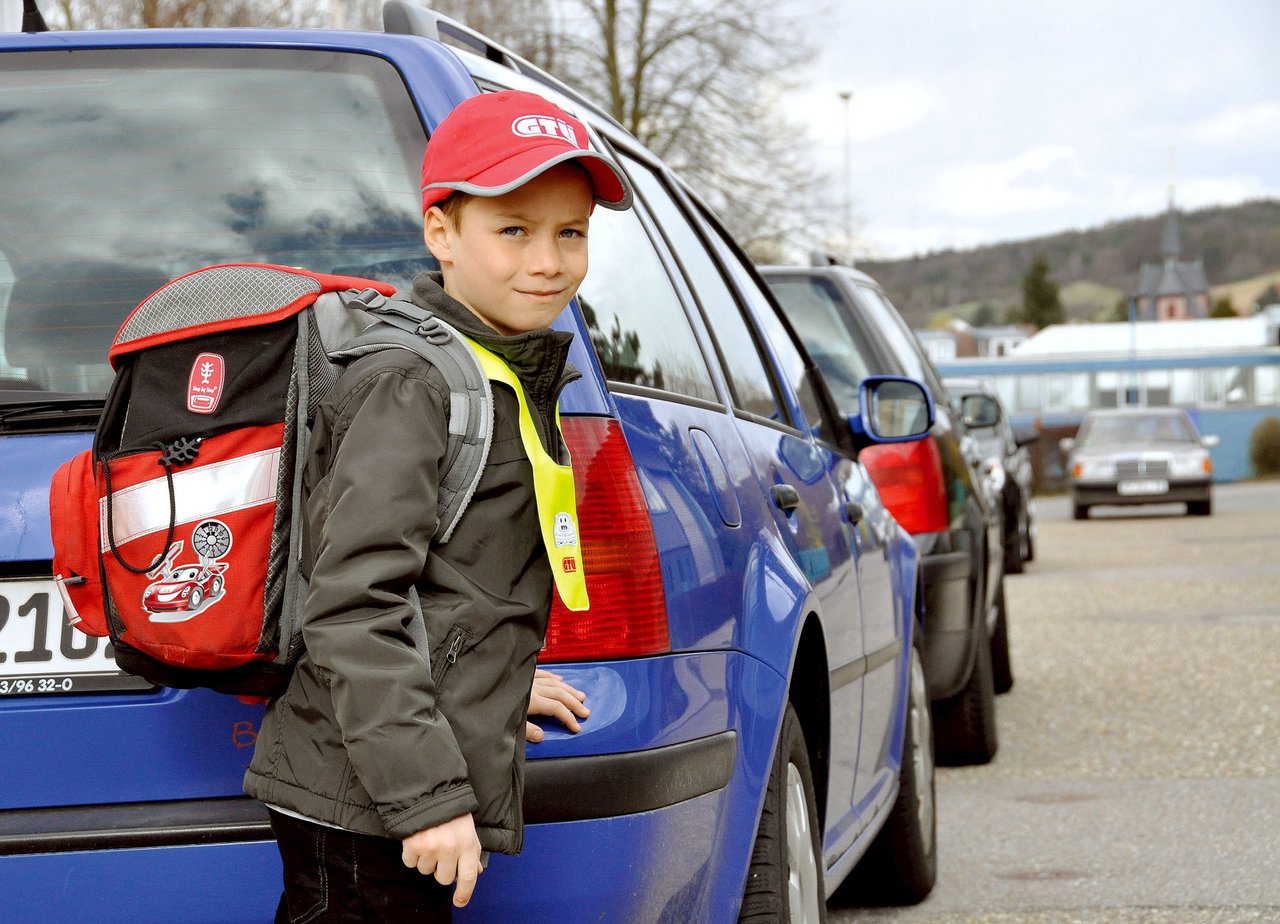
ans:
(844, 363)
(866, 651)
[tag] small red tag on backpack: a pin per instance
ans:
(204, 387)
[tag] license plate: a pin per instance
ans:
(1146, 486)
(40, 654)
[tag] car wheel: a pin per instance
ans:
(1080, 511)
(215, 586)
(1001, 667)
(196, 598)
(1028, 542)
(1013, 549)
(901, 865)
(1202, 508)
(784, 881)
(965, 724)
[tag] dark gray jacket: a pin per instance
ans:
(364, 737)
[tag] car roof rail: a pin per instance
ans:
(407, 17)
(821, 257)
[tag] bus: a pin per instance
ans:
(1226, 391)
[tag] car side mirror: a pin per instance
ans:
(891, 410)
(1025, 436)
(978, 411)
(1209, 441)
(1066, 444)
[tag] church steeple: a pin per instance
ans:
(1170, 240)
(1173, 288)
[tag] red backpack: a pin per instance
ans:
(178, 533)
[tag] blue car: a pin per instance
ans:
(759, 732)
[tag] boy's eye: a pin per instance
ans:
(573, 233)
(513, 230)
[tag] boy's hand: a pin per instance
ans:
(552, 696)
(448, 851)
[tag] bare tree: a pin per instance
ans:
(702, 83)
(156, 14)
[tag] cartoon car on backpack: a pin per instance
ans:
(183, 590)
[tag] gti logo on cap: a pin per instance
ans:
(538, 126)
(204, 386)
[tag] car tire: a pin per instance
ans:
(1028, 543)
(1001, 666)
(901, 865)
(1080, 511)
(1013, 550)
(964, 725)
(215, 586)
(1202, 508)
(196, 598)
(784, 880)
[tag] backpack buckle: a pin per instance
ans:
(369, 298)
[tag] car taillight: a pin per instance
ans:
(628, 614)
(910, 481)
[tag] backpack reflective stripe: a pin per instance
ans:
(195, 573)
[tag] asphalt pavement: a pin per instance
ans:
(1138, 778)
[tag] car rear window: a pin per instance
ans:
(813, 305)
(124, 168)
(895, 330)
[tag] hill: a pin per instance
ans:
(1240, 247)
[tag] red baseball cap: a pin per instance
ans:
(496, 142)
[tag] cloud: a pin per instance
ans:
(998, 120)
(1239, 125)
(1199, 192)
(891, 242)
(874, 113)
(1018, 184)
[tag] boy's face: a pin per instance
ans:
(516, 259)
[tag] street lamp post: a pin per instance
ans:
(846, 95)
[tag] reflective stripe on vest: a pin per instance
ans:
(552, 488)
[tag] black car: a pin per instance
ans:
(933, 488)
(1003, 449)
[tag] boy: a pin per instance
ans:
(386, 783)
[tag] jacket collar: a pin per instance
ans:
(538, 357)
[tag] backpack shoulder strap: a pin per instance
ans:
(404, 325)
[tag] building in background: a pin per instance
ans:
(1172, 289)
(1224, 371)
(959, 338)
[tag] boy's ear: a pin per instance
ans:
(437, 234)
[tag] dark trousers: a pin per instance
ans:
(339, 877)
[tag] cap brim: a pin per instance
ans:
(609, 187)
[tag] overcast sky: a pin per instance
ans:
(989, 120)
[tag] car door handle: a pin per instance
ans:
(785, 496)
(854, 511)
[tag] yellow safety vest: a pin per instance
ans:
(552, 488)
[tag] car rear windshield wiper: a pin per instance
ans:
(25, 411)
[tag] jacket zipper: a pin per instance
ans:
(457, 635)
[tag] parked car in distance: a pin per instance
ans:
(852, 331)
(1139, 456)
(1003, 446)
(760, 728)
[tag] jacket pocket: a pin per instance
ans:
(74, 523)
(447, 655)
